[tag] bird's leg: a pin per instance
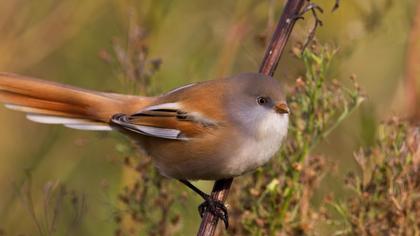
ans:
(217, 208)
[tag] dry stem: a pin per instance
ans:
(268, 67)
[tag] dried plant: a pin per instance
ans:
(131, 60)
(386, 198)
(148, 203)
(57, 204)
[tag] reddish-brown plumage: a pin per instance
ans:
(208, 130)
(59, 99)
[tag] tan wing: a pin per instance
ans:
(167, 121)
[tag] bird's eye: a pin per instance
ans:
(262, 100)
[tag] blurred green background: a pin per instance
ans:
(196, 40)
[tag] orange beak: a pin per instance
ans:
(282, 108)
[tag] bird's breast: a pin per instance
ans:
(224, 153)
(259, 148)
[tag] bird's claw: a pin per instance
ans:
(215, 207)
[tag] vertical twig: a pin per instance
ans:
(412, 71)
(220, 192)
(280, 37)
(269, 64)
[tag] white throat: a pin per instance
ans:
(269, 130)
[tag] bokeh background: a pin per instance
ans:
(74, 41)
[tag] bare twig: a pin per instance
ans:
(336, 5)
(313, 8)
(278, 42)
(412, 71)
(268, 66)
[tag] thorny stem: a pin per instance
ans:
(268, 66)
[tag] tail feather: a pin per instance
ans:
(54, 103)
(47, 106)
(74, 123)
(32, 110)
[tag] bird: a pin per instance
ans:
(208, 130)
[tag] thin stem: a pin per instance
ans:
(209, 221)
(268, 67)
(280, 37)
(412, 71)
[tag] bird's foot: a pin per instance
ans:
(215, 207)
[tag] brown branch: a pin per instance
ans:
(220, 192)
(412, 71)
(280, 37)
(269, 64)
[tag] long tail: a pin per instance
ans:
(54, 103)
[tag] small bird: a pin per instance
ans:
(208, 130)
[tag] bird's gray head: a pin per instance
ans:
(257, 102)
